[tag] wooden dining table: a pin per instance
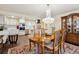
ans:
(40, 40)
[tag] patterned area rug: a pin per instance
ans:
(69, 49)
(23, 48)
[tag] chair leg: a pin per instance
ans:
(53, 51)
(42, 48)
(34, 44)
(38, 47)
(2, 49)
(29, 45)
(63, 47)
(59, 49)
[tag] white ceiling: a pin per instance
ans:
(38, 9)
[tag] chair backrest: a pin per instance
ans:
(13, 39)
(37, 35)
(5, 37)
(42, 31)
(57, 38)
(63, 35)
(1, 40)
(37, 32)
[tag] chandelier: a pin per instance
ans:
(48, 19)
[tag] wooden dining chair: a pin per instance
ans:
(13, 40)
(55, 44)
(42, 31)
(63, 33)
(33, 40)
(1, 47)
(37, 37)
(1, 44)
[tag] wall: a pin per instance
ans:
(1, 19)
(6, 13)
(57, 21)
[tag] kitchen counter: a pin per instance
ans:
(12, 31)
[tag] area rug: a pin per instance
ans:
(69, 49)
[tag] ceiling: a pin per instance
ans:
(38, 9)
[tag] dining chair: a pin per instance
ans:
(37, 36)
(63, 33)
(1, 47)
(13, 40)
(1, 44)
(34, 42)
(42, 31)
(5, 42)
(54, 45)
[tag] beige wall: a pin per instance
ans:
(57, 21)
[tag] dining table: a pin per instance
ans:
(39, 41)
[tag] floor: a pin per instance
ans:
(69, 48)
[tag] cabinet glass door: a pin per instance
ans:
(76, 24)
(69, 25)
(63, 23)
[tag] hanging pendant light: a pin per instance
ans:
(48, 19)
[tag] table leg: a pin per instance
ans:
(34, 44)
(42, 48)
(38, 48)
(29, 44)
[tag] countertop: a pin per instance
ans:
(12, 31)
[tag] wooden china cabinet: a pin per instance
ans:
(71, 24)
